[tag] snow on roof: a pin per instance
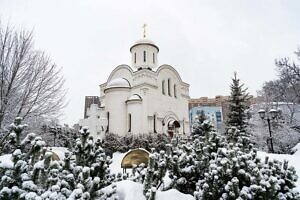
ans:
(118, 82)
(144, 41)
(135, 97)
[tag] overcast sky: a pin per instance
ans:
(206, 41)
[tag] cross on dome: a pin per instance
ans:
(144, 28)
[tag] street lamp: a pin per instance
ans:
(271, 114)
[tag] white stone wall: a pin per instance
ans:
(148, 84)
(115, 104)
(93, 121)
(134, 108)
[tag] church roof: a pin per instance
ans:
(135, 97)
(144, 41)
(118, 82)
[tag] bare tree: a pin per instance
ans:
(287, 87)
(31, 85)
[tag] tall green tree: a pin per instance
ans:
(237, 104)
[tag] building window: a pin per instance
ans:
(129, 122)
(175, 92)
(169, 87)
(154, 123)
(183, 127)
(144, 56)
(163, 87)
(135, 58)
(219, 116)
(107, 130)
(153, 58)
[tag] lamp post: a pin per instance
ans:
(271, 114)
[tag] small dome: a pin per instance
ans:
(144, 41)
(135, 97)
(118, 82)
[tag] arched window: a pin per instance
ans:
(129, 122)
(163, 87)
(153, 58)
(135, 57)
(144, 56)
(154, 123)
(169, 87)
(175, 92)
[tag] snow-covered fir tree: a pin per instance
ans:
(234, 174)
(155, 173)
(236, 130)
(188, 161)
(211, 167)
(36, 175)
(237, 105)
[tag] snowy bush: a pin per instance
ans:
(234, 174)
(211, 167)
(114, 143)
(35, 175)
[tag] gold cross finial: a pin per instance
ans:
(144, 27)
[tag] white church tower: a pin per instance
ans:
(143, 98)
(144, 53)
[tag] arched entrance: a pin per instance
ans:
(170, 123)
(173, 126)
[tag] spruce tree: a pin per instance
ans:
(237, 104)
(236, 122)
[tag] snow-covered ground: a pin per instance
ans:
(128, 190)
(115, 166)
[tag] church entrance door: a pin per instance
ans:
(173, 126)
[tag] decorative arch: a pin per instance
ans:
(174, 71)
(119, 68)
(135, 157)
(170, 115)
(171, 121)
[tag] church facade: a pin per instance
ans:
(141, 98)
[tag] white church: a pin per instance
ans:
(141, 98)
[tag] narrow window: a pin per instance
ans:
(175, 92)
(183, 127)
(154, 123)
(169, 87)
(135, 58)
(153, 58)
(107, 130)
(144, 56)
(163, 87)
(129, 122)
